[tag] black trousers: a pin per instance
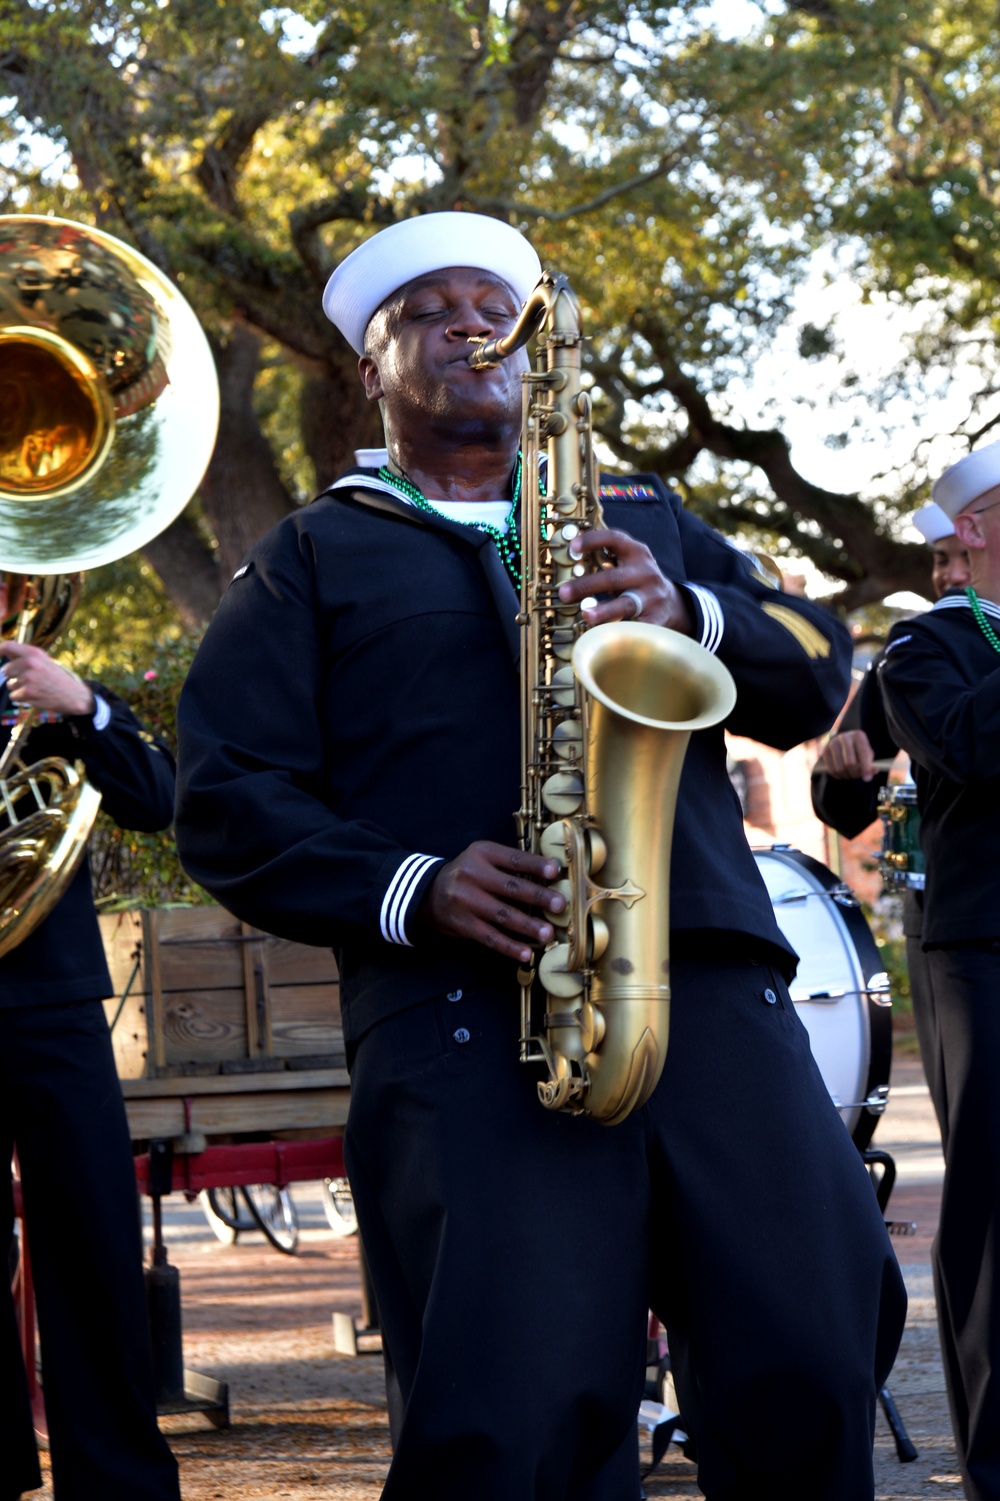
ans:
(515, 1254)
(960, 1041)
(61, 1106)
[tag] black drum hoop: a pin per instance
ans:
(872, 964)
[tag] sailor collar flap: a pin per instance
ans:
(373, 497)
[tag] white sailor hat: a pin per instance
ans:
(965, 481)
(414, 247)
(932, 523)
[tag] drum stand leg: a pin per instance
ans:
(177, 1389)
(904, 1445)
(362, 1336)
(882, 1172)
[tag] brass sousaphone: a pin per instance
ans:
(109, 407)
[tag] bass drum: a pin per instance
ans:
(841, 989)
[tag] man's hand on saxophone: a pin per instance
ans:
(631, 584)
(483, 895)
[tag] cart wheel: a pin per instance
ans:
(274, 1213)
(338, 1203)
(225, 1214)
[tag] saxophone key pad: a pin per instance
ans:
(562, 793)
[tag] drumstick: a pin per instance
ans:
(885, 764)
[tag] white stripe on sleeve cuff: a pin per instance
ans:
(713, 622)
(102, 712)
(396, 902)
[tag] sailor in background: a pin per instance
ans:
(61, 1109)
(349, 762)
(940, 684)
(846, 783)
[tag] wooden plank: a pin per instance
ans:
(208, 993)
(289, 1081)
(203, 1026)
(256, 988)
(200, 947)
(300, 964)
(219, 1115)
(122, 936)
(305, 1019)
(129, 1037)
(154, 999)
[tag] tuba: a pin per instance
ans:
(606, 714)
(109, 408)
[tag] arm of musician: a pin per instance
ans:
(630, 584)
(133, 772)
(846, 800)
(34, 678)
(790, 657)
(488, 895)
(131, 769)
(253, 818)
(848, 756)
(850, 804)
(943, 722)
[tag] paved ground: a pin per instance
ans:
(309, 1423)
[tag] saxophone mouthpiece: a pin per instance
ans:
(486, 355)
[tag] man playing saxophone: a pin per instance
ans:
(349, 764)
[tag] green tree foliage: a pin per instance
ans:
(681, 178)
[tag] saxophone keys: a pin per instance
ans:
(559, 543)
(562, 639)
(562, 794)
(592, 1027)
(563, 688)
(567, 740)
(597, 849)
(600, 936)
(559, 981)
(552, 843)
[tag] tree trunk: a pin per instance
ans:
(187, 570)
(337, 417)
(242, 492)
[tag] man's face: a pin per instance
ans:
(418, 357)
(950, 568)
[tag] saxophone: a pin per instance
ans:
(606, 714)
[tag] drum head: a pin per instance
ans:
(840, 990)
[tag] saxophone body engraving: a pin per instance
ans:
(606, 713)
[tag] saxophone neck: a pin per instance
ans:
(551, 304)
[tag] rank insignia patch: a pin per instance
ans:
(627, 492)
(811, 640)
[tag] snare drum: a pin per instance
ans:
(841, 989)
(901, 861)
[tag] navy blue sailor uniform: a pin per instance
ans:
(350, 722)
(940, 680)
(61, 1108)
(850, 805)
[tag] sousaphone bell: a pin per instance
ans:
(109, 407)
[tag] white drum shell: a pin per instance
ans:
(839, 988)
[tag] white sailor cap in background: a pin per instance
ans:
(414, 247)
(965, 481)
(932, 523)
